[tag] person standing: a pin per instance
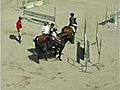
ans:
(19, 28)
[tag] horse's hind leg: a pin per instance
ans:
(45, 51)
(55, 53)
(59, 57)
(37, 60)
(37, 56)
(45, 56)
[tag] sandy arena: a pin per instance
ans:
(20, 72)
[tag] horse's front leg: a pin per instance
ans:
(60, 53)
(59, 57)
(46, 52)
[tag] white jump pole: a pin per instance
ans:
(85, 40)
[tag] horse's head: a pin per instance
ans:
(68, 30)
(71, 39)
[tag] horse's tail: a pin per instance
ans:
(35, 40)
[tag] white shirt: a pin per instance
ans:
(45, 29)
(54, 35)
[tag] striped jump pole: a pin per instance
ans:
(85, 51)
(99, 44)
(99, 51)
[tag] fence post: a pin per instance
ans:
(84, 32)
(55, 15)
(106, 12)
(85, 49)
(97, 33)
(99, 50)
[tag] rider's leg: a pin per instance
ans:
(19, 37)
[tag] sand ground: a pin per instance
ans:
(19, 72)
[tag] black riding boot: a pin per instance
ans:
(19, 40)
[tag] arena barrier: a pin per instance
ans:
(30, 4)
(83, 53)
(39, 17)
(111, 17)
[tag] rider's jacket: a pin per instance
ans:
(19, 25)
(45, 29)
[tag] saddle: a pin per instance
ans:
(41, 39)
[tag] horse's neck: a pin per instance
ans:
(65, 40)
(62, 35)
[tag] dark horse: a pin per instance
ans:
(43, 42)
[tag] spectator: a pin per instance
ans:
(19, 28)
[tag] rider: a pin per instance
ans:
(51, 28)
(54, 35)
(53, 32)
(73, 22)
(46, 29)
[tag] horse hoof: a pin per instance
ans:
(45, 59)
(54, 56)
(60, 59)
(35, 53)
(37, 61)
(62, 53)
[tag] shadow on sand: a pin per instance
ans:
(34, 56)
(13, 37)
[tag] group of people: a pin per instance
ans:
(48, 29)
